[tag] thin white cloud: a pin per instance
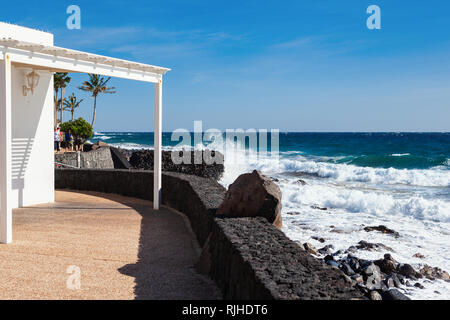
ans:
(323, 45)
(293, 44)
(95, 36)
(147, 43)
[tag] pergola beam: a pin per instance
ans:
(64, 52)
(66, 64)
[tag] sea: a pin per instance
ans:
(399, 180)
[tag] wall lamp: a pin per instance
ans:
(32, 80)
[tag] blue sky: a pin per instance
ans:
(291, 65)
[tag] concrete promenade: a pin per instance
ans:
(123, 248)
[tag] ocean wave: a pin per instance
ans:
(352, 173)
(239, 160)
(131, 146)
(398, 161)
(339, 172)
(356, 201)
(400, 154)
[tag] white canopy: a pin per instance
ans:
(29, 120)
(59, 59)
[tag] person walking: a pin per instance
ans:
(69, 140)
(57, 139)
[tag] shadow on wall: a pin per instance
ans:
(166, 257)
(21, 151)
(30, 138)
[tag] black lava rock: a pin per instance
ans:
(419, 285)
(333, 263)
(407, 270)
(393, 294)
(387, 266)
(364, 245)
(326, 249)
(347, 269)
(143, 159)
(382, 229)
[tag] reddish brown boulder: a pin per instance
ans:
(99, 144)
(434, 273)
(253, 195)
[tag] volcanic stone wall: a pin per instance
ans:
(95, 159)
(250, 258)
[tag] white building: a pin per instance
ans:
(27, 113)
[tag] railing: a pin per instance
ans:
(70, 166)
(66, 165)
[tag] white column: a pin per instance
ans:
(5, 151)
(158, 146)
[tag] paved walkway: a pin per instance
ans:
(123, 248)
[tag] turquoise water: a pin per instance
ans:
(376, 150)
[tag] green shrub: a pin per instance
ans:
(80, 128)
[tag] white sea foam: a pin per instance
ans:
(360, 196)
(131, 146)
(376, 202)
(400, 154)
(348, 173)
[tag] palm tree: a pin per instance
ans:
(71, 103)
(57, 109)
(96, 85)
(55, 113)
(61, 79)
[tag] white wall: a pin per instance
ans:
(32, 141)
(32, 128)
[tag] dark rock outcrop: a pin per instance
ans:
(143, 159)
(364, 245)
(99, 144)
(253, 195)
(394, 294)
(382, 229)
(321, 240)
(310, 248)
(408, 271)
(434, 273)
(318, 208)
(284, 271)
(379, 278)
(387, 265)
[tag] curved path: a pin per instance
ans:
(123, 249)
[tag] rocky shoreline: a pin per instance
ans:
(381, 279)
(378, 279)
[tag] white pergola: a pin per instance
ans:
(44, 58)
